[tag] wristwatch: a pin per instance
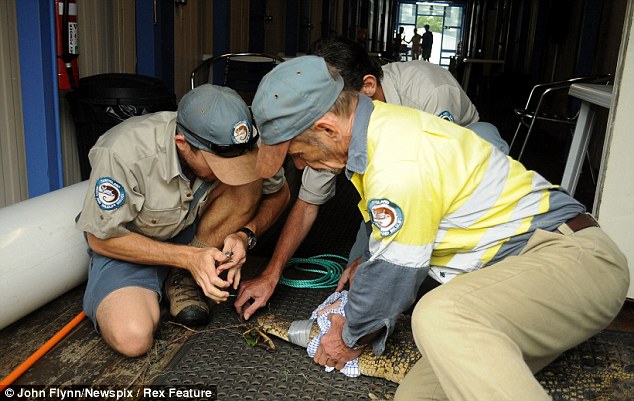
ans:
(251, 238)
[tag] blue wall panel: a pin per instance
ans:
(38, 71)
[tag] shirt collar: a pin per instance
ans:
(358, 149)
(173, 167)
(388, 86)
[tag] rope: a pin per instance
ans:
(329, 271)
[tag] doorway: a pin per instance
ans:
(445, 23)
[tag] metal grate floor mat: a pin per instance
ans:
(218, 356)
(599, 369)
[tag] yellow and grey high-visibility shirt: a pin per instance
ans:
(441, 201)
(137, 185)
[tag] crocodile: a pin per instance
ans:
(399, 356)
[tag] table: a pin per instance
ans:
(592, 95)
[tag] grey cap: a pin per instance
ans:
(216, 120)
(288, 101)
(213, 113)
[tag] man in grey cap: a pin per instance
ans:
(526, 274)
(417, 84)
(173, 191)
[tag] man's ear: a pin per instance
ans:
(181, 142)
(327, 125)
(369, 85)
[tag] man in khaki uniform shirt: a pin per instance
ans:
(156, 181)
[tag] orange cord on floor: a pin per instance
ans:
(24, 366)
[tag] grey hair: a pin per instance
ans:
(345, 103)
(347, 99)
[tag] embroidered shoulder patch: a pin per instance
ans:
(445, 115)
(386, 216)
(109, 194)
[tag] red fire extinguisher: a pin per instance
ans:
(67, 44)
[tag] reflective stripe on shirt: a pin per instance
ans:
(461, 198)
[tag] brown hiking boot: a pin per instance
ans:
(187, 302)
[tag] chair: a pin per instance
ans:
(541, 102)
(239, 71)
(405, 52)
(386, 57)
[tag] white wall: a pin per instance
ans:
(615, 195)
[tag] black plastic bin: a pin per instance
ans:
(103, 101)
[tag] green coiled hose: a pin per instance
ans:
(329, 268)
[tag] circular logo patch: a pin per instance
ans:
(445, 115)
(386, 216)
(241, 132)
(109, 194)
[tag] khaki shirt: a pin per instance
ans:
(428, 87)
(136, 183)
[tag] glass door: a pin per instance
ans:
(429, 19)
(451, 34)
(443, 21)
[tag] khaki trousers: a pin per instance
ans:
(483, 335)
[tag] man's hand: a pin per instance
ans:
(259, 290)
(236, 247)
(348, 275)
(202, 266)
(332, 350)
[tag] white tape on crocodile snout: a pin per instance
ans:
(299, 332)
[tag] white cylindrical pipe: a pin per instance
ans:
(42, 254)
